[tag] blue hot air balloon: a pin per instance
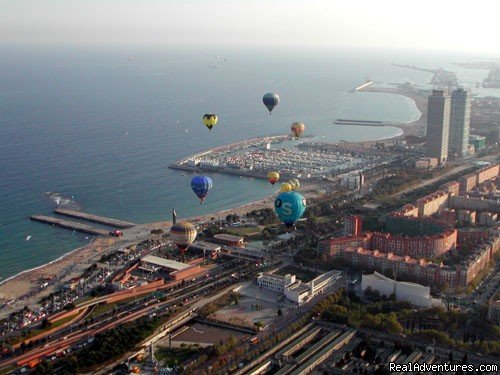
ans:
(271, 100)
(201, 185)
(290, 206)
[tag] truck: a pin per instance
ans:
(116, 233)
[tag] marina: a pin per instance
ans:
(69, 225)
(256, 158)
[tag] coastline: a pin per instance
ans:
(419, 100)
(25, 287)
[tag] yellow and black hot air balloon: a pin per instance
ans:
(273, 177)
(183, 234)
(297, 129)
(210, 119)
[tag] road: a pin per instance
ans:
(109, 320)
(430, 181)
(153, 338)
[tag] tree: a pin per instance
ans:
(391, 325)
(236, 298)
(45, 367)
(45, 323)
(280, 312)
(465, 359)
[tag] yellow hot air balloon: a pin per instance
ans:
(295, 183)
(285, 186)
(210, 119)
(273, 177)
(297, 129)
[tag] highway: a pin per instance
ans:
(77, 334)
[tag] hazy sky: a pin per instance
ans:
(468, 26)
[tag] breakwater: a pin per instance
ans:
(360, 122)
(360, 87)
(69, 225)
(94, 218)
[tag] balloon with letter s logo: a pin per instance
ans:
(289, 206)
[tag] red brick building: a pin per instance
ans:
(416, 247)
(331, 247)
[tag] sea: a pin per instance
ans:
(99, 125)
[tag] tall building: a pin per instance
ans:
(458, 141)
(438, 124)
(353, 225)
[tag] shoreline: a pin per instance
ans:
(25, 286)
(419, 99)
(45, 264)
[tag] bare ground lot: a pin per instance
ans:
(203, 333)
(255, 305)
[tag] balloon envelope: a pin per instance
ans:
(297, 129)
(201, 185)
(183, 234)
(273, 177)
(290, 206)
(210, 119)
(285, 186)
(271, 100)
(295, 183)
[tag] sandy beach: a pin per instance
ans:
(25, 288)
(419, 98)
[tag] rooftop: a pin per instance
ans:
(162, 262)
(205, 246)
(228, 237)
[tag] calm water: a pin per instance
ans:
(90, 124)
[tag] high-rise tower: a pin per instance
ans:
(458, 141)
(438, 124)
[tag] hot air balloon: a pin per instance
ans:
(183, 234)
(285, 186)
(210, 119)
(273, 177)
(290, 206)
(201, 185)
(297, 129)
(271, 100)
(295, 183)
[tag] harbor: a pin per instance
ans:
(94, 218)
(69, 225)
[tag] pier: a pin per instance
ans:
(361, 87)
(94, 218)
(69, 225)
(360, 122)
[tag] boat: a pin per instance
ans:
(28, 237)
